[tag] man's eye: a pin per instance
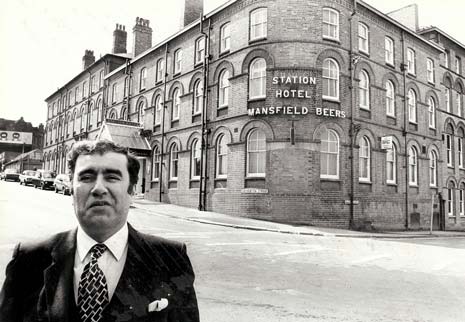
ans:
(113, 178)
(85, 178)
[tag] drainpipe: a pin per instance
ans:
(160, 179)
(404, 132)
(89, 94)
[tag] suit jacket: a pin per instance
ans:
(39, 282)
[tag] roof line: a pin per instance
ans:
(426, 29)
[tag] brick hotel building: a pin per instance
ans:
(313, 112)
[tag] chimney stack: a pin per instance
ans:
(88, 58)
(191, 11)
(142, 36)
(120, 37)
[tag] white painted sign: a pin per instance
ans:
(386, 142)
(13, 137)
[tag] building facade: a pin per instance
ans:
(333, 114)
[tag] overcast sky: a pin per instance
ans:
(43, 41)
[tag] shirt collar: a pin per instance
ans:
(116, 243)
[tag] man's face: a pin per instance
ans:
(100, 193)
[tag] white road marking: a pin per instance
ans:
(314, 249)
(236, 244)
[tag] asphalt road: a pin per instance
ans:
(247, 275)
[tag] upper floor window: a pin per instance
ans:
(140, 111)
(223, 94)
(446, 58)
(413, 166)
(195, 159)
(225, 37)
(412, 106)
(330, 24)
(176, 104)
(458, 65)
(156, 163)
(256, 153)
(160, 69)
(391, 165)
(114, 93)
(258, 23)
(364, 90)
(143, 79)
(330, 79)
(390, 99)
(430, 70)
(449, 148)
(329, 155)
(431, 113)
(173, 161)
(450, 199)
(363, 39)
(460, 150)
(76, 95)
(458, 101)
(221, 157)
(257, 78)
(198, 97)
(177, 61)
(433, 172)
(199, 50)
(462, 200)
(158, 110)
(389, 50)
(364, 159)
(447, 99)
(93, 84)
(411, 61)
(100, 79)
(84, 89)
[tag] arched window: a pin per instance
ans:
(225, 37)
(196, 152)
(160, 70)
(198, 97)
(431, 113)
(92, 115)
(460, 141)
(256, 153)
(258, 23)
(83, 118)
(124, 114)
(221, 157)
(329, 155)
(364, 90)
(257, 78)
(99, 108)
(389, 51)
(177, 61)
(364, 159)
(433, 169)
(458, 100)
(330, 24)
(390, 99)
(391, 165)
(156, 163)
(447, 95)
(413, 166)
(199, 50)
(330, 79)
(462, 200)
(411, 68)
(363, 38)
(114, 93)
(223, 93)
(158, 110)
(143, 79)
(174, 162)
(450, 199)
(140, 111)
(112, 115)
(176, 104)
(412, 106)
(449, 146)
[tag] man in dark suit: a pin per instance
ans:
(104, 270)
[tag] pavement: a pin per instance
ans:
(214, 218)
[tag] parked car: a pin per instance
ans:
(43, 179)
(26, 177)
(62, 184)
(11, 174)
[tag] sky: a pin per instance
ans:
(43, 41)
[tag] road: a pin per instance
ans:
(245, 275)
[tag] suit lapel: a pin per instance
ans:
(58, 277)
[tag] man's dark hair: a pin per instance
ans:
(101, 147)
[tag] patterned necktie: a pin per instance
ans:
(93, 291)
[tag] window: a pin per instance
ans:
(158, 109)
(364, 90)
(126, 87)
(198, 97)
(389, 50)
(256, 153)
(174, 162)
(114, 93)
(447, 99)
(391, 165)
(329, 155)
(140, 112)
(450, 199)
(124, 114)
(433, 166)
(330, 24)
(431, 113)
(412, 106)
(223, 94)
(446, 58)
(84, 89)
(225, 37)
(462, 200)
(160, 70)
(364, 160)
(93, 84)
(390, 99)
(363, 38)
(100, 79)
(330, 79)
(178, 61)
(430, 70)
(221, 157)
(76, 94)
(176, 104)
(413, 166)
(143, 79)
(449, 147)
(195, 159)
(156, 164)
(112, 115)
(257, 79)
(199, 50)
(458, 101)
(258, 23)
(458, 65)
(460, 151)
(410, 61)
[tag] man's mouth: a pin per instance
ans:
(99, 204)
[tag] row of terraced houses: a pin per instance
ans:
(307, 112)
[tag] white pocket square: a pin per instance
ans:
(158, 305)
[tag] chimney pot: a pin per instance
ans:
(142, 36)
(192, 9)
(88, 58)
(120, 37)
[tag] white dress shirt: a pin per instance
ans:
(111, 262)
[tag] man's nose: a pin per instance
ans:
(99, 186)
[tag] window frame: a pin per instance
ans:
(413, 166)
(177, 61)
(223, 90)
(411, 61)
(199, 50)
(412, 107)
(447, 97)
(330, 79)
(261, 162)
(327, 135)
(390, 99)
(198, 98)
(363, 40)
(176, 102)
(364, 159)
(158, 106)
(449, 150)
(196, 156)
(225, 37)
(160, 70)
(450, 202)
(431, 113)
(142, 79)
(430, 70)
(433, 169)
(393, 162)
(261, 23)
(364, 90)
(156, 163)
(174, 161)
(330, 24)
(221, 159)
(389, 50)
(460, 151)
(260, 78)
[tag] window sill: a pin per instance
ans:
(176, 74)
(365, 108)
(141, 90)
(198, 64)
(331, 179)
(391, 116)
(365, 181)
(222, 107)
(413, 122)
(256, 99)
(411, 75)
(159, 82)
(391, 65)
(392, 184)
(365, 53)
(431, 83)
(224, 52)
(413, 185)
(331, 99)
(255, 40)
(331, 39)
